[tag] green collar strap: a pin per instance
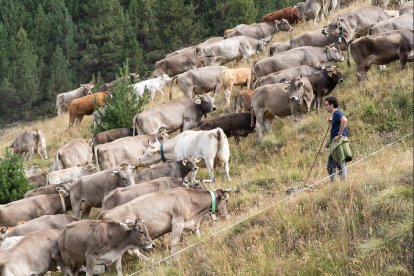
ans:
(162, 153)
(213, 203)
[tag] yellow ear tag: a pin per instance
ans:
(330, 74)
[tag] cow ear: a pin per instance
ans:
(285, 88)
(197, 101)
(125, 226)
(184, 162)
(197, 159)
(114, 173)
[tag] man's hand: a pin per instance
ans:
(329, 119)
(336, 138)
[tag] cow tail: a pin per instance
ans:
(252, 74)
(100, 215)
(41, 140)
(253, 117)
(236, 100)
(223, 149)
(134, 127)
(171, 84)
(95, 154)
(57, 157)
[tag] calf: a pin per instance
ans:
(242, 100)
(38, 180)
(289, 13)
(123, 195)
(381, 49)
(234, 124)
(310, 9)
(33, 207)
(28, 142)
(34, 254)
(152, 85)
(89, 191)
(230, 77)
(78, 108)
(179, 169)
(90, 242)
(211, 145)
(176, 210)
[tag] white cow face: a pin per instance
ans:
(152, 155)
(333, 53)
(283, 25)
(165, 78)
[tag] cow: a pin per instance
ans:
(34, 254)
(89, 191)
(230, 77)
(63, 100)
(323, 83)
(307, 55)
(177, 64)
(78, 108)
(125, 150)
(112, 135)
(38, 180)
(191, 49)
(239, 47)
(259, 31)
(90, 242)
(33, 207)
(75, 153)
(182, 114)
(131, 78)
(31, 170)
(29, 142)
(179, 169)
(279, 47)
(199, 81)
(47, 190)
(9, 242)
(174, 210)
(233, 124)
(406, 8)
(41, 223)
(286, 75)
(381, 49)
(242, 100)
(403, 22)
(69, 174)
(310, 9)
(152, 85)
(316, 39)
(280, 100)
(290, 14)
(123, 195)
(210, 145)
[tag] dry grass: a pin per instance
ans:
(360, 226)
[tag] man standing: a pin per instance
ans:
(339, 150)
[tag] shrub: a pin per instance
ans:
(121, 106)
(13, 183)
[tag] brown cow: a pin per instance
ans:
(243, 100)
(112, 135)
(85, 106)
(230, 77)
(289, 13)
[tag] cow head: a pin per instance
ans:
(335, 76)
(222, 197)
(205, 102)
(300, 95)
(261, 45)
(283, 25)
(162, 135)
(299, 6)
(124, 174)
(133, 77)
(333, 54)
(165, 78)
(338, 27)
(190, 163)
(139, 233)
(86, 88)
(152, 154)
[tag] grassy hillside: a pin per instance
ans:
(360, 226)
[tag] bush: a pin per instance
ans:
(121, 106)
(13, 183)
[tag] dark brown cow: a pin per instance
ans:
(112, 135)
(289, 13)
(85, 106)
(234, 124)
(381, 49)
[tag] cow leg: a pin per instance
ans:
(137, 253)
(118, 266)
(227, 93)
(79, 120)
(259, 124)
(403, 60)
(75, 209)
(177, 229)
(268, 124)
(90, 264)
(210, 167)
(227, 170)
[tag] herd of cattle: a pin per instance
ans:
(141, 205)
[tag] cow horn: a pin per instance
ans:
(228, 190)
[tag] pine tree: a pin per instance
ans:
(60, 74)
(239, 12)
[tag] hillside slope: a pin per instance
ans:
(360, 226)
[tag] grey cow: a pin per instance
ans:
(29, 142)
(191, 49)
(123, 195)
(264, 30)
(33, 207)
(93, 242)
(183, 114)
(286, 75)
(310, 9)
(34, 254)
(63, 99)
(280, 100)
(75, 153)
(177, 64)
(308, 55)
(403, 22)
(179, 169)
(175, 210)
(89, 191)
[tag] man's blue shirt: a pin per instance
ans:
(336, 124)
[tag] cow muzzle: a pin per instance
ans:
(213, 108)
(149, 246)
(294, 99)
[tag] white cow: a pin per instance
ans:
(230, 49)
(69, 174)
(153, 85)
(211, 145)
